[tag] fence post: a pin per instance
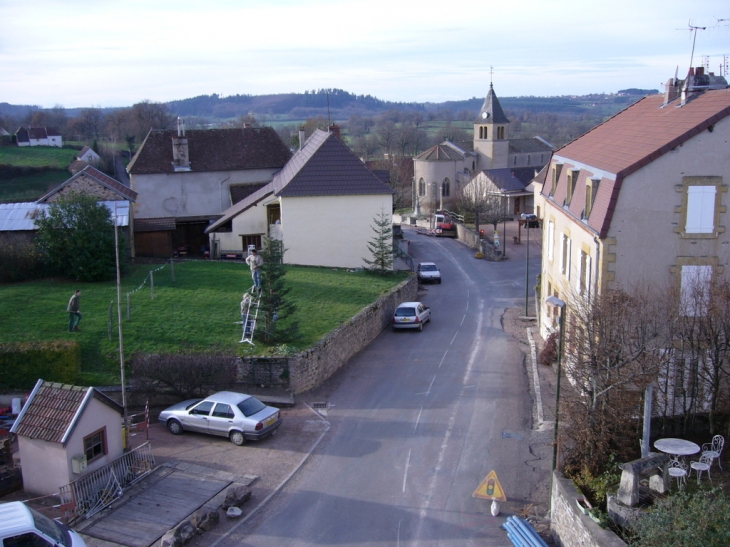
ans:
(172, 269)
(129, 307)
(110, 321)
(152, 285)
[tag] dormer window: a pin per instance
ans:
(591, 191)
(555, 176)
(572, 178)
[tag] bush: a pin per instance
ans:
(23, 363)
(184, 374)
(549, 353)
(19, 261)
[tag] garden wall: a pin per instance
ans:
(570, 527)
(310, 368)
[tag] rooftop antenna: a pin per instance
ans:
(329, 118)
(693, 29)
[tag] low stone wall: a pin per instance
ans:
(310, 368)
(468, 237)
(570, 527)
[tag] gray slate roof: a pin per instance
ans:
(231, 149)
(492, 107)
(445, 151)
(522, 146)
(324, 166)
(511, 180)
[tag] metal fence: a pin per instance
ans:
(91, 493)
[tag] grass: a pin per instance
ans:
(197, 312)
(37, 156)
(31, 187)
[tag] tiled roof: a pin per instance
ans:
(523, 146)
(644, 131)
(324, 166)
(625, 143)
(213, 150)
(445, 151)
(53, 409)
(511, 180)
(99, 177)
(241, 191)
(492, 107)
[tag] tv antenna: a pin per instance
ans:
(693, 29)
(329, 118)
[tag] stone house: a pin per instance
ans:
(65, 432)
(186, 180)
(38, 136)
(444, 170)
(322, 204)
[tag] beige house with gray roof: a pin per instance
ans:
(322, 204)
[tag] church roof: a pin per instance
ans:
(511, 180)
(446, 151)
(523, 146)
(494, 111)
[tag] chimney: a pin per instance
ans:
(180, 155)
(301, 138)
(334, 128)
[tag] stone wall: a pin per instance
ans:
(312, 367)
(570, 527)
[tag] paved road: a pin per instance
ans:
(417, 422)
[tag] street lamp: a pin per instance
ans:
(555, 302)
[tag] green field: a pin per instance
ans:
(196, 312)
(31, 187)
(37, 156)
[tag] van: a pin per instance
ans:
(21, 526)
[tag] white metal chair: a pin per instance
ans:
(714, 449)
(678, 470)
(703, 464)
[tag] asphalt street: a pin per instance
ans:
(417, 421)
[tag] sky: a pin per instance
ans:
(115, 53)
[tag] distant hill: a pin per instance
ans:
(342, 104)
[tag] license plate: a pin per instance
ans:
(405, 320)
(270, 421)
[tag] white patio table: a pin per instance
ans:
(676, 447)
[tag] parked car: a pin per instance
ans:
(21, 525)
(531, 220)
(411, 315)
(428, 271)
(237, 416)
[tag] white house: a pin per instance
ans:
(322, 204)
(38, 136)
(65, 432)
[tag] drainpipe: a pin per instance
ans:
(598, 264)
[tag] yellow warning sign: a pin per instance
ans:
(490, 489)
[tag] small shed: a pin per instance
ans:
(65, 432)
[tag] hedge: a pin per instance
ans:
(23, 363)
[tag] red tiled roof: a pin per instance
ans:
(213, 150)
(53, 409)
(103, 179)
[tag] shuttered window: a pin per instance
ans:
(700, 209)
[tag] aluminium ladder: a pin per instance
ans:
(249, 314)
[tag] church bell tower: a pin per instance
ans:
(491, 134)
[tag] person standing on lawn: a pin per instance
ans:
(74, 315)
(255, 262)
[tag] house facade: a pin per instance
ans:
(65, 432)
(444, 170)
(641, 198)
(322, 204)
(38, 136)
(186, 180)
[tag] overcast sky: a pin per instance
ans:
(115, 53)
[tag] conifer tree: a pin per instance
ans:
(275, 308)
(381, 246)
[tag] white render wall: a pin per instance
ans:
(252, 221)
(331, 230)
(190, 194)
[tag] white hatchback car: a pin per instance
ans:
(428, 271)
(411, 315)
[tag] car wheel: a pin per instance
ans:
(439, 281)
(420, 327)
(237, 438)
(174, 427)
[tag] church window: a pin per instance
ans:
(528, 159)
(500, 133)
(446, 188)
(473, 165)
(421, 187)
(514, 161)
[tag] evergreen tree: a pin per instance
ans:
(76, 239)
(275, 309)
(381, 246)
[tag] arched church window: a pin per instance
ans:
(421, 187)
(446, 188)
(514, 161)
(528, 159)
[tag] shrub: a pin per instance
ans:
(23, 363)
(19, 261)
(549, 353)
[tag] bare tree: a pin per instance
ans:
(387, 134)
(477, 200)
(366, 147)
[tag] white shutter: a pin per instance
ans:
(700, 209)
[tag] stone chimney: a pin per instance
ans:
(180, 154)
(302, 137)
(334, 128)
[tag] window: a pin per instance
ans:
(223, 411)
(565, 258)
(203, 409)
(584, 277)
(528, 159)
(251, 240)
(26, 540)
(446, 188)
(500, 132)
(700, 210)
(572, 178)
(542, 158)
(591, 190)
(421, 187)
(95, 445)
(514, 161)
(550, 238)
(556, 175)
(695, 289)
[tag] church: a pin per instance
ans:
(509, 165)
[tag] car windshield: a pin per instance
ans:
(428, 268)
(51, 528)
(405, 312)
(251, 406)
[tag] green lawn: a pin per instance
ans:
(197, 312)
(31, 187)
(37, 156)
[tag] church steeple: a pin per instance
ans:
(491, 141)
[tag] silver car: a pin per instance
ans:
(411, 315)
(428, 271)
(237, 416)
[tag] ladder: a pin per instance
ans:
(249, 313)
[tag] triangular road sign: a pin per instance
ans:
(490, 489)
